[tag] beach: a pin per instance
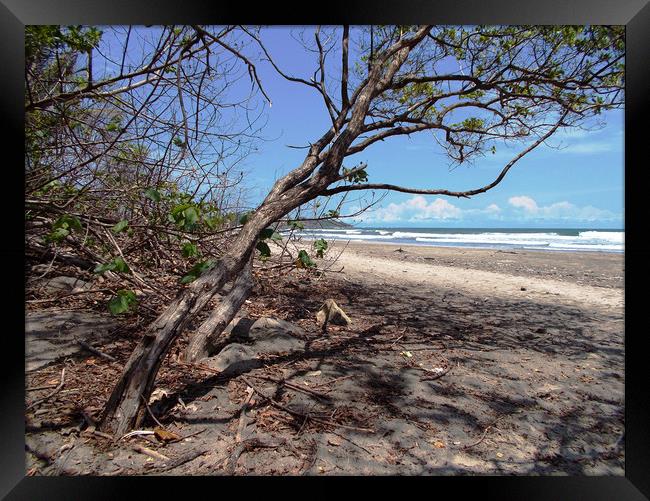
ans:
(535, 342)
(458, 361)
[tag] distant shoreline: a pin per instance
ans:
(549, 240)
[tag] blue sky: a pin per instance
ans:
(579, 182)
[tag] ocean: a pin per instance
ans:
(547, 239)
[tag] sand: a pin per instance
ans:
(586, 279)
(458, 362)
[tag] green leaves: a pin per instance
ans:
(189, 250)
(296, 225)
(152, 194)
(185, 216)
(62, 227)
(304, 261)
(356, 175)
(197, 270)
(245, 217)
(119, 227)
(123, 302)
(262, 246)
(191, 216)
(118, 264)
(264, 249)
(476, 124)
(321, 246)
(270, 233)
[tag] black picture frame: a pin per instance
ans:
(634, 14)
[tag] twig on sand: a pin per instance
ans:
(351, 441)
(151, 453)
(185, 458)
(239, 446)
(326, 422)
(469, 446)
(49, 395)
(73, 293)
(490, 426)
(146, 404)
(187, 436)
(94, 350)
(332, 381)
(293, 386)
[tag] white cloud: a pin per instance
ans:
(415, 209)
(560, 210)
(524, 202)
(418, 209)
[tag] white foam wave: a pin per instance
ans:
(608, 241)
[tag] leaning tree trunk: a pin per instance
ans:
(124, 409)
(208, 338)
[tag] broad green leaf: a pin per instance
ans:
(58, 234)
(304, 261)
(270, 233)
(244, 218)
(188, 278)
(197, 270)
(152, 194)
(264, 249)
(189, 249)
(321, 246)
(101, 268)
(68, 221)
(266, 233)
(120, 265)
(191, 216)
(121, 226)
(296, 225)
(122, 302)
(117, 264)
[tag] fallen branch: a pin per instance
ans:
(95, 350)
(151, 453)
(326, 422)
(74, 293)
(49, 395)
(331, 381)
(465, 447)
(295, 387)
(186, 458)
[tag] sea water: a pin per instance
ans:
(549, 239)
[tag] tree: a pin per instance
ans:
(134, 140)
(470, 86)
